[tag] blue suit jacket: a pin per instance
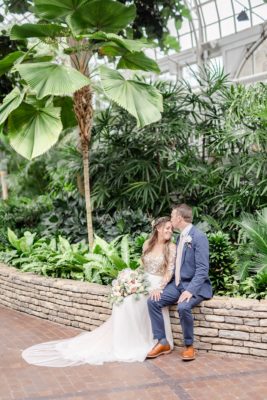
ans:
(194, 273)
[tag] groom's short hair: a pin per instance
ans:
(185, 211)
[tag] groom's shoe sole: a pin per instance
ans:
(188, 359)
(159, 354)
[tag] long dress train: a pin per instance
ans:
(126, 336)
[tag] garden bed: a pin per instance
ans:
(226, 325)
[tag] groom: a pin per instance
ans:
(189, 285)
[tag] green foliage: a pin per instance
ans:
(154, 159)
(51, 79)
(132, 223)
(253, 250)
(59, 258)
(222, 260)
(253, 287)
(8, 50)
(107, 259)
(25, 178)
(132, 96)
(151, 21)
(39, 127)
(34, 126)
(17, 6)
(197, 153)
(66, 218)
(20, 213)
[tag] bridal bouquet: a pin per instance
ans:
(129, 282)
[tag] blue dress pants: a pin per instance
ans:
(170, 296)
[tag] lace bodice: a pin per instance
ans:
(153, 264)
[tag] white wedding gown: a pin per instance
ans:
(126, 336)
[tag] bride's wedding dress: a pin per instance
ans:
(126, 336)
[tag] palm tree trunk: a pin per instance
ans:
(87, 192)
(83, 108)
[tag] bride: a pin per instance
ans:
(127, 335)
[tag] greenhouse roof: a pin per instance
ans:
(214, 19)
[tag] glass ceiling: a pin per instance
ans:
(215, 19)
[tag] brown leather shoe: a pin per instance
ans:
(158, 350)
(189, 353)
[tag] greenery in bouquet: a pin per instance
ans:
(128, 283)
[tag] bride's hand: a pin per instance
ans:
(155, 294)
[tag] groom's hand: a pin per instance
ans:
(155, 294)
(185, 296)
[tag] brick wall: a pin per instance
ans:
(222, 324)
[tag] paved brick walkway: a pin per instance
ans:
(166, 378)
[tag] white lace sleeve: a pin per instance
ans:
(168, 275)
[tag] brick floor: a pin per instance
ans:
(212, 377)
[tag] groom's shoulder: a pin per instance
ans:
(198, 233)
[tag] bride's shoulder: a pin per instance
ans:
(172, 247)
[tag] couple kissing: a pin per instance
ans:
(141, 329)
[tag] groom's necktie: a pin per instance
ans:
(179, 259)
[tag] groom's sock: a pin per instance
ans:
(163, 341)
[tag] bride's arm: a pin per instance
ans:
(169, 272)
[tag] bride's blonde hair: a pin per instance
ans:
(153, 240)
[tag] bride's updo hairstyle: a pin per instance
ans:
(153, 240)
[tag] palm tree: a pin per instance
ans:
(253, 252)
(83, 30)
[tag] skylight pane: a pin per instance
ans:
(255, 3)
(213, 31)
(259, 14)
(185, 41)
(210, 13)
(228, 26)
(225, 8)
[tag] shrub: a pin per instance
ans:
(222, 260)
(253, 249)
(59, 258)
(21, 214)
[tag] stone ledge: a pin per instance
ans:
(222, 324)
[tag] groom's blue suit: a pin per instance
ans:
(193, 278)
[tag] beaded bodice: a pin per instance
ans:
(153, 264)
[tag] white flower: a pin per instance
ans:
(128, 282)
(188, 239)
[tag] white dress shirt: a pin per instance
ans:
(183, 235)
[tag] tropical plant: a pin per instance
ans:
(253, 250)
(133, 223)
(21, 214)
(81, 29)
(59, 258)
(66, 218)
(107, 259)
(222, 260)
(154, 158)
(151, 21)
